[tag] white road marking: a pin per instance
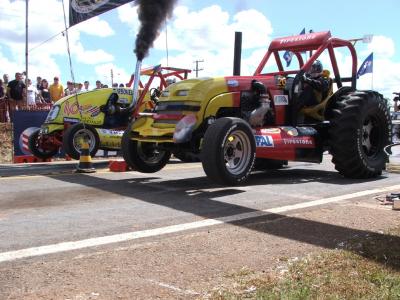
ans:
(129, 236)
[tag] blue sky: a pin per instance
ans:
(198, 30)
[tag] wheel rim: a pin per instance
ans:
(237, 152)
(371, 136)
(86, 135)
(149, 153)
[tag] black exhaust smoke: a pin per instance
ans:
(152, 14)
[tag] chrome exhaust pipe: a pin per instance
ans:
(136, 81)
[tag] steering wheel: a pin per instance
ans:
(155, 93)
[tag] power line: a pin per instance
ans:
(44, 42)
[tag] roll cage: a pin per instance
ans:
(315, 43)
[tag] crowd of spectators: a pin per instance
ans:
(19, 92)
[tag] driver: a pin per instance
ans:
(316, 86)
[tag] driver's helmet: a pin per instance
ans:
(316, 68)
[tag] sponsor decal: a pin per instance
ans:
(270, 130)
(291, 131)
(71, 120)
(264, 141)
(303, 37)
(73, 109)
(121, 91)
(233, 83)
(298, 141)
(281, 100)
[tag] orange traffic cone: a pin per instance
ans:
(85, 160)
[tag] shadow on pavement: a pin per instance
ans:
(188, 195)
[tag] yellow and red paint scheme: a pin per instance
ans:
(207, 97)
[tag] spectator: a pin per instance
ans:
(16, 91)
(32, 93)
(79, 88)
(98, 85)
(44, 94)
(38, 82)
(5, 82)
(56, 90)
(86, 86)
(121, 85)
(2, 91)
(70, 90)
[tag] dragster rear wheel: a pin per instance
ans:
(34, 144)
(73, 138)
(228, 151)
(143, 156)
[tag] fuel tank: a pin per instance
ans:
(289, 143)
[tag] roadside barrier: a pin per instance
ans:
(118, 166)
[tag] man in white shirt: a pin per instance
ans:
(31, 93)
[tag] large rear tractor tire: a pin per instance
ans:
(36, 149)
(73, 138)
(360, 129)
(142, 156)
(228, 151)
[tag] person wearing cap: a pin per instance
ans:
(56, 90)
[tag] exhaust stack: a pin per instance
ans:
(237, 56)
(136, 80)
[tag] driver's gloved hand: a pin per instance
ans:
(306, 78)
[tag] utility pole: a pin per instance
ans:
(197, 67)
(112, 77)
(26, 50)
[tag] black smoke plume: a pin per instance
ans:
(152, 14)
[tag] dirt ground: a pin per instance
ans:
(194, 264)
(6, 142)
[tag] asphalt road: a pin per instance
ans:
(44, 205)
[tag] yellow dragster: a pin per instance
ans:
(99, 116)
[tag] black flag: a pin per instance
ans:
(81, 10)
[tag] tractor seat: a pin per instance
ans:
(317, 111)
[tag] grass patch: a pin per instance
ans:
(367, 268)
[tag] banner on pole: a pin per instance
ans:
(81, 10)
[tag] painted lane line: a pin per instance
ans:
(129, 236)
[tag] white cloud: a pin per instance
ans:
(382, 46)
(95, 27)
(103, 73)
(45, 20)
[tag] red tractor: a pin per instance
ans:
(237, 123)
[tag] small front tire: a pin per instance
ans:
(228, 151)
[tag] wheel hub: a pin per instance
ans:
(236, 152)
